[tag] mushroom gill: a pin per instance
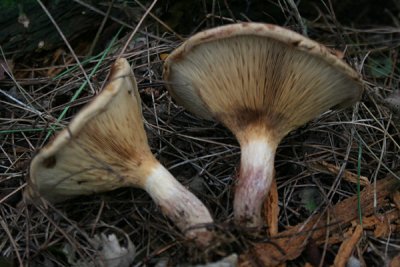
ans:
(261, 81)
(105, 147)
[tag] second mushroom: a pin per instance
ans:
(261, 81)
(105, 147)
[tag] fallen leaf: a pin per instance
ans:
(381, 224)
(382, 229)
(288, 245)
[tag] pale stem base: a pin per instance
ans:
(180, 205)
(254, 181)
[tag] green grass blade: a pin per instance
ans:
(79, 91)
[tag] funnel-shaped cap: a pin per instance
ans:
(261, 81)
(102, 145)
(257, 73)
(105, 147)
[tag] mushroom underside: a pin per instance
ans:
(261, 82)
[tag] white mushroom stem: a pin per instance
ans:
(180, 205)
(254, 181)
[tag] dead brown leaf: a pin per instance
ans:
(381, 224)
(289, 244)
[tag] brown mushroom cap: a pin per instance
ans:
(259, 68)
(261, 81)
(105, 147)
(88, 156)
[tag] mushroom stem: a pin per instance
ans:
(180, 205)
(255, 178)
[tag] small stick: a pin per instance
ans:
(347, 247)
(271, 209)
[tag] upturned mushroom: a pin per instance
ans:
(261, 81)
(105, 147)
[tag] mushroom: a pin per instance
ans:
(105, 147)
(261, 81)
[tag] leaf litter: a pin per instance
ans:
(204, 155)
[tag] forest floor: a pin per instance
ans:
(337, 177)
